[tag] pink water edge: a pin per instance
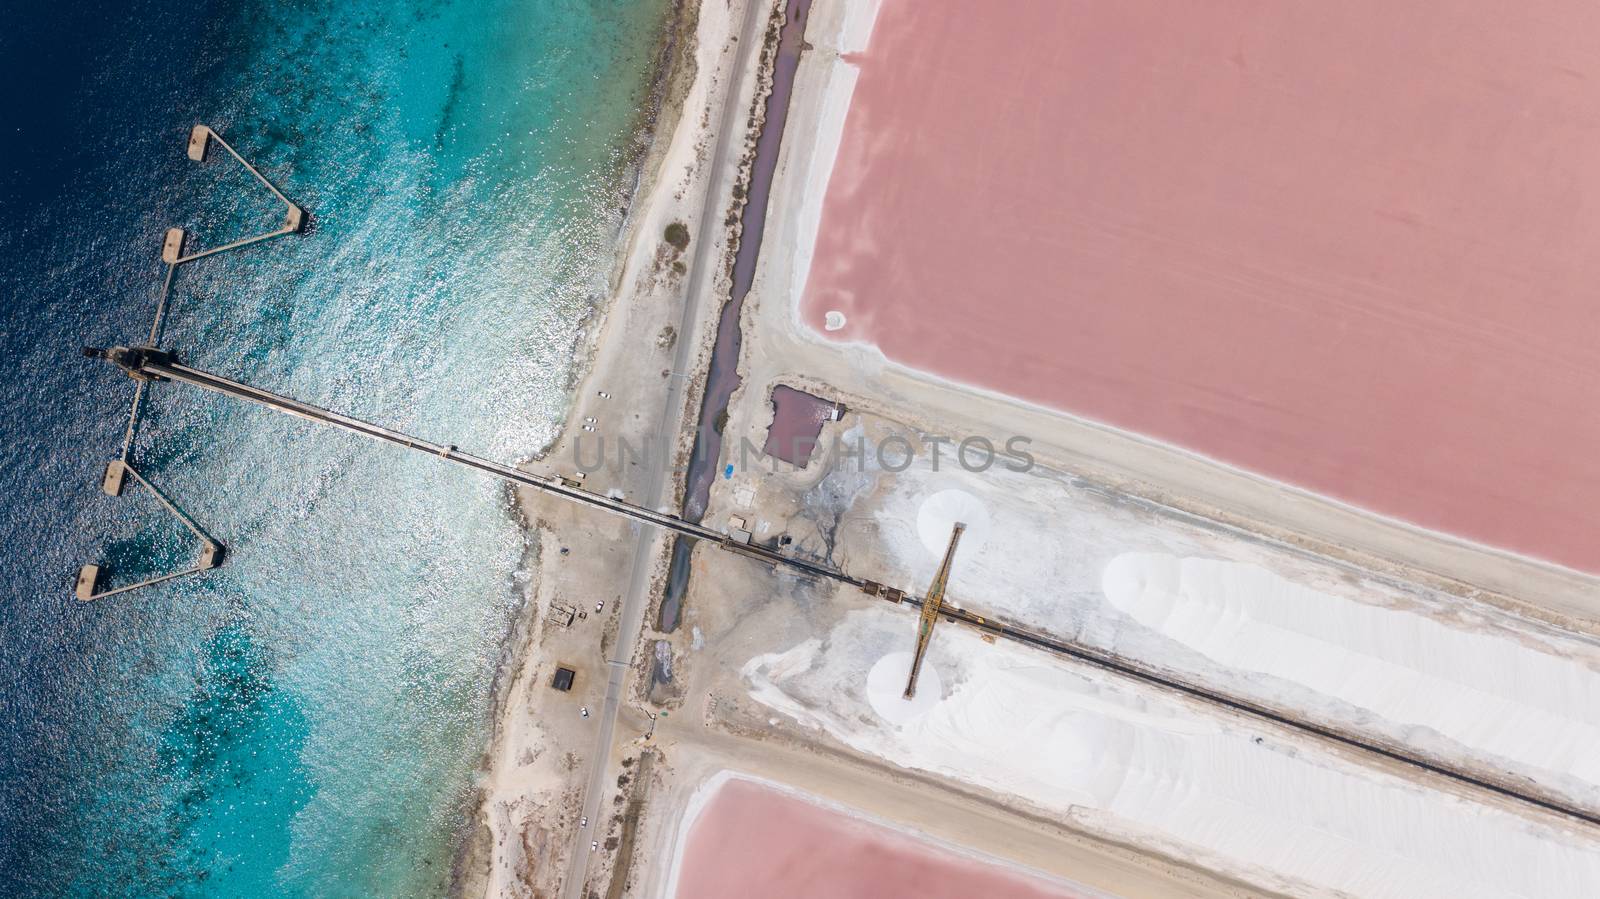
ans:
(1353, 246)
(751, 840)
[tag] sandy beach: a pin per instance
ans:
(637, 387)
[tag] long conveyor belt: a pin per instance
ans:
(1132, 670)
(148, 364)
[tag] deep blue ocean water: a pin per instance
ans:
(306, 720)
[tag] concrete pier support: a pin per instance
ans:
(91, 577)
(173, 253)
(88, 582)
(172, 246)
(111, 484)
(199, 138)
(211, 555)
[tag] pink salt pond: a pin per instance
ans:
(797, 420)
(751, 840)
(1353, 246)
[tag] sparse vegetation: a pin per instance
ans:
(677, 234)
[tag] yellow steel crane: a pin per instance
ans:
(930, 610)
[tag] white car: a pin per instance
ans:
(600, 606)
(584, 711)
(584, 821)
(594, 845)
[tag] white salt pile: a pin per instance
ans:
(939, 514)
(886, 684)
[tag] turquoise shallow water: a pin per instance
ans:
(307, 720)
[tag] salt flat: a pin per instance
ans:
(1469, 685)
(1165, 775)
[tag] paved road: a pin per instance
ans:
(636, 601)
